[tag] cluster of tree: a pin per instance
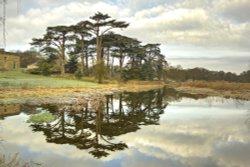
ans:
(28, 57)
(179, 74)
(91, 48)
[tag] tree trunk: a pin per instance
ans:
(82, 54)
(120, 104)
(108, 56)
(112, 68)
(86, 63)
(98, 50)
(82, 64)
(63, 56)
(121, 64)
(99, 60)
(108, 59)
(62, 64)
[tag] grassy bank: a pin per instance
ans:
(220, 85)
(18, 85)
(19, 80)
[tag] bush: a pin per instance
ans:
(78, 74)
(34, 71)
(45, 69)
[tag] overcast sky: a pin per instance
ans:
(214, 34)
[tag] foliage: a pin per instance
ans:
(44, 117)
(99, 25)
(147, 71)
(146, 63)
(28, 57)
(44, 68)
(132, 74)
(54, 41)
(100, 72)
(198, 74)
(71, 66)
(78, 74)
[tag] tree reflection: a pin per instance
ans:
(8, 110)
(95, 126)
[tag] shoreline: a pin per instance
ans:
(21, 96)
(240, 95)
(18, 87)
(18, 96)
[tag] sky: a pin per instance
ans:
(214, 34)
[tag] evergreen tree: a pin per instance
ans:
(72, 64)
(99, 25)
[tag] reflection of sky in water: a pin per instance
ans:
(208, 108)
(195, 133)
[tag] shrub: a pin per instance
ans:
(45, 69)
(78, 74)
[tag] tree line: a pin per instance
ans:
(90, 48)
(180, 74)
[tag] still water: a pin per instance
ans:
(159, 128)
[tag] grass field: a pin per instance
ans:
(21, 80)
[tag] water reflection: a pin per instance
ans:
(247, 122)
(8, 110)
(155, 128)
(95, 129)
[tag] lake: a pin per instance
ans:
(158, 128)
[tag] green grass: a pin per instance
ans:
(45, 117)
(14, 79)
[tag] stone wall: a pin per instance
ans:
(9, 61)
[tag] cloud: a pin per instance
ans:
(233, 154)
(187, 26)
(168, 25)
(168, 22)
(240, 63)
(33, 23)
(237, 10)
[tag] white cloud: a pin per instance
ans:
(165, 23)
(21, 29)
(237, 10)
(206, 4)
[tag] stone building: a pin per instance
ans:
(9, 61)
